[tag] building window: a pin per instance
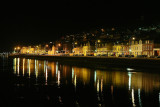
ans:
(150, 47)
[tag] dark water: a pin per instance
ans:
(28, 82)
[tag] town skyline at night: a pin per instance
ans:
(80, 54)
(68, 17)
(45, 30)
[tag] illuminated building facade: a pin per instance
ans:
(147, 48)
(136, 48)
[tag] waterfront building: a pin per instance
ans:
(88, 49)
(117, 49)
(77, 51)
(30, 50)
(120, 49)
(53, 51)
(125, 49)
(136, 48)
(37, 49)
(27, 50)
(156, 49)
(23, 50)
(147, 48)
(104, 49)
(67, 48)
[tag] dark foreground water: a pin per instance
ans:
(28, 82)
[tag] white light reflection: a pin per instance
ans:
(130, 69)
(56, 68)
(74, 78)
(98, 95)
(95, 76)
(75, 81)
(139, 97)
(46, 75)
(18, 65)
(133, 100)
(15, 65)
(37, 70)
(102, 84)
(98, 86)
(129, 81)
(29, 69)
(72, 73)
(58, 77)
(23, 65)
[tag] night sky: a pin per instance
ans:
(50, 22)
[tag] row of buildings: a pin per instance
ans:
(95, 48)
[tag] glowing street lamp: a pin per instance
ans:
(97, 44)
(133, 38)
(18, 47)
(59, 45)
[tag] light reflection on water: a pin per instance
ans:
(106, 83)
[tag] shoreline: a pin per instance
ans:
(98, 62)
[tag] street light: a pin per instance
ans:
(97, 44)
(58, 47)
(18, 47)
(133, 38)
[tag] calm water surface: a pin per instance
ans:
(28, 82)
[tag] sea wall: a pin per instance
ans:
(99, 62)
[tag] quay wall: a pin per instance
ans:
(99, 62)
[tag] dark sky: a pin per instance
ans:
(45, 23)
